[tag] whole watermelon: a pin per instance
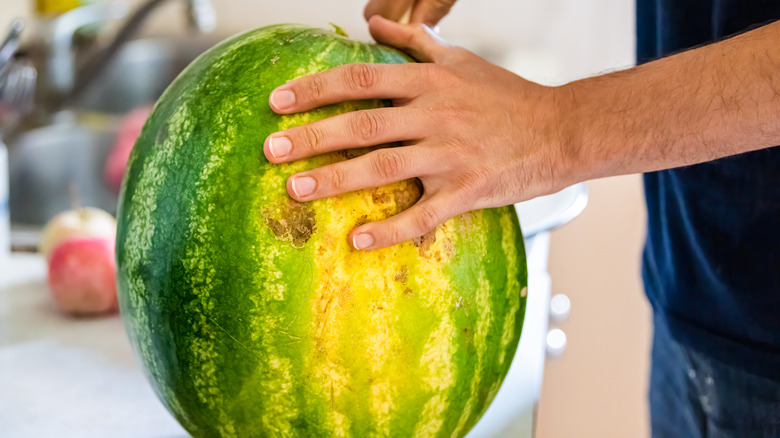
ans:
(252, 314)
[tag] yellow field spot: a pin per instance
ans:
(359, 289)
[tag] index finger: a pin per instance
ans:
(350, 82)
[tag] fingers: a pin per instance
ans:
(421, 218)
(417, 39)
(430, 12)
(377, 168)
(368, 81)
(349, 82)
(346, 131)
(392, 10)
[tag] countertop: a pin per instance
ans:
(63, 377)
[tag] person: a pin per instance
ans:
(700, 123)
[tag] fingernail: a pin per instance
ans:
(303, 185)
(279, 146)
(282, 99)
(362, 241)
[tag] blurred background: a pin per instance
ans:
(595, 388)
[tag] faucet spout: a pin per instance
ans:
(201, 15)
(61, 67)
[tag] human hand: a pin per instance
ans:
(476, 135)
(428, 12)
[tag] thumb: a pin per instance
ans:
(430, 12)
(416, 39)
(393, 10)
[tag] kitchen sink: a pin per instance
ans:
(61, 165)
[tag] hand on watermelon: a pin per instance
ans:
(476, 135)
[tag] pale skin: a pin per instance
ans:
(479, 136)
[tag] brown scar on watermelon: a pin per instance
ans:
(402, 275)
(295, 222)
(379, 197)
(406, 198)
(361, 220)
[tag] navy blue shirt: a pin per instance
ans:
(712, 257)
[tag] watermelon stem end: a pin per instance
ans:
(339, 30)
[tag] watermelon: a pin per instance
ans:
(251, 313)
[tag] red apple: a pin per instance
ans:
(84, 222)
(82, 276)
(129, 130)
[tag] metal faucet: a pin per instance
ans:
(202, 15)
(60, 65)
(68, 80)
(17, 80)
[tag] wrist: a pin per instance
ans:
(594, 115)
(572, 163)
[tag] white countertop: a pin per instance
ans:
(63, 377)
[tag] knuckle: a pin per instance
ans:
(458, 149)
(392, 234)
(439, 76)
(338, 179)
(361, 76)
(428, 74)
(312, 137)
(453, 118)
(426, 219)
(389, 164)
(315, 89)
(448, 78)
(420, 31)
(419, 35)
(415, 37)
(367, 125)
(472, 182)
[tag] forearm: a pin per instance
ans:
(696, 106)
